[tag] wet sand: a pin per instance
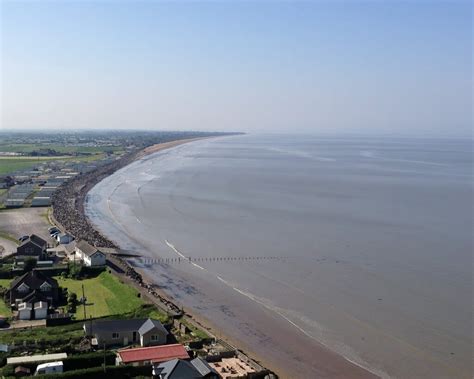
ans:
(364, 274)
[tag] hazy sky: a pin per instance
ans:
(343, 67)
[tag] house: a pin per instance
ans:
(149, 355)
(33, 246)
(33, 287)
(198, 368)
(89, 254)
(146, 332)
(64, 238)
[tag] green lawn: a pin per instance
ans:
(12, 164)
(4, 309)
(105, 295)
(5, 282)
(28, 148)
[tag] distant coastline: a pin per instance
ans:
(81, 228)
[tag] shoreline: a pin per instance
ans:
(79, 192)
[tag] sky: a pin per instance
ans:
(340, 67)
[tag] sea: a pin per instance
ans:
(290, 243)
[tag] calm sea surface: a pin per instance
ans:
(374, 236)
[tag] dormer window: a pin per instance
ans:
(23, 288)
(45, 287)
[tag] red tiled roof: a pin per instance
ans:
(155, 354)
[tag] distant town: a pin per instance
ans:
(71, 305)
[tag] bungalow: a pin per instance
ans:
(198, 368)
(33, 246)
(33, 287)
(143, 356)
(146, 332)
(89, 254)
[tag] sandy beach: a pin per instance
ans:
(309, 356)
(347, 287)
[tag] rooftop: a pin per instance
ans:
(155, 354)
(36, 358)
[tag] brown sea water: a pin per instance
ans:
(370, 239)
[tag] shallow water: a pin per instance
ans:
(371, 239)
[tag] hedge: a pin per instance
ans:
(74, 362)
(116, 372)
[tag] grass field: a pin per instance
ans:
(12, 164)
(28, 148)
(105, 295)
(4, 309)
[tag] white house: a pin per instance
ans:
(90, 255)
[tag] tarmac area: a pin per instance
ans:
(23, 221)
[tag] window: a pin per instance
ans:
(154, 337)
(45, 287)
(23, 288)
(115, 336)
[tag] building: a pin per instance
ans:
(89, 254)
(33, 246)
(35, 358)
(198, 368)
(145, 332)
(33, 287)
(64, 238)
(149, 355)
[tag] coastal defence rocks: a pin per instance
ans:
(68, 202)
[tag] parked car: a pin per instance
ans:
(23, 238)
(53, 229)
(55, 234)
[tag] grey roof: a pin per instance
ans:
(149, 325)
(202, 366)
(33, 279)
(181, 369)
(86, 248)
(177, 369)
(104, 326)
(38, 241)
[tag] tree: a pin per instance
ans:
(30, 264)
(72, 298)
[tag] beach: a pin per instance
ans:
(360, 275)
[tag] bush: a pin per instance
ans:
(72, 364)
(116, 372)
(72, 298)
